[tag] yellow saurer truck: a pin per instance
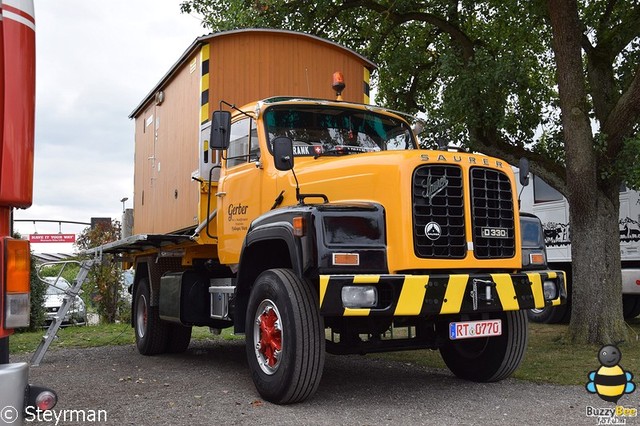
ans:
(326, 226)
(322, 226)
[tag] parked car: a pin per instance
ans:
(53, 298)
(126, 279)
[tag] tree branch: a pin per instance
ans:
(456, 34)
(615, 39)
(624, 115)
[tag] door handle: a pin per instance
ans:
(220, 194)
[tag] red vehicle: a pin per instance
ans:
(17, 110)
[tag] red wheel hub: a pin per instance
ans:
(270, 337)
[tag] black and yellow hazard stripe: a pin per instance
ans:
(204, 83)
(420, 295)
(366, 88)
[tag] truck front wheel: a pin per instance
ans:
(284, 337)
(487, 359)
(151, 332)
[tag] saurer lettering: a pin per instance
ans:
(431, 189)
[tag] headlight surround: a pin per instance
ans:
(550, 290)
(355, 297)
(351, 230)
(352, 238)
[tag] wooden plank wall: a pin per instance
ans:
(166, 199)
(244, 67)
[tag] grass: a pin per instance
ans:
(92, 336)
(550, 358)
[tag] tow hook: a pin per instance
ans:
(482, 290)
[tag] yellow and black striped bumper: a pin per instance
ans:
(421, 295)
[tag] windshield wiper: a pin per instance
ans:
(336, 150)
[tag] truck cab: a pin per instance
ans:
(321, 225)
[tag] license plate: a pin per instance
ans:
(474, 329)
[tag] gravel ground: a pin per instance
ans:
(210, 385)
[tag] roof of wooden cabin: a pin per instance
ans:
(205, 38)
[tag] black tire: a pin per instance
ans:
(548, 315)
(487, 359)
(178, 339)
(151, 333)
(292, 374)
(630, 306)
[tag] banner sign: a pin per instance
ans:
(52, 238)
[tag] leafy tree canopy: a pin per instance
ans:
(482, 71)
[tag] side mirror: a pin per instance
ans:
(523, 166)
(220, 130)
(283, 153)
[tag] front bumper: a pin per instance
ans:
(439, 294)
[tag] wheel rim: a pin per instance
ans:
(141, 316)
(537, 311)
(268, 337)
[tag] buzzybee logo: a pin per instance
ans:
(610, 381)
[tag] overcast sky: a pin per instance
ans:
(96, 60)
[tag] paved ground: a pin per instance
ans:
(210, 385)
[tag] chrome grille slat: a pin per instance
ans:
(444, 205)
(492, 207)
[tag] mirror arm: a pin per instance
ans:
(235, 108)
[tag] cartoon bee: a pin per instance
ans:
(610, 381)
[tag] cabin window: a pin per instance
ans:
(243, 145)
(543, 192)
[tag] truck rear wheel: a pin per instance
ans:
(284, 337)
(487, 359)
(151, 332)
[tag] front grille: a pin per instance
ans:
(438, 212)
(493, 218)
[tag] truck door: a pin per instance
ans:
(239, 189)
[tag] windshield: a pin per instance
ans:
(317, 130)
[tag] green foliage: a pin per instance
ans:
(68, 271)
(628, 164)
(103, 280)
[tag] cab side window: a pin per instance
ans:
(243, 146)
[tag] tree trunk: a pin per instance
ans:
(596, 315)
(595, 246)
